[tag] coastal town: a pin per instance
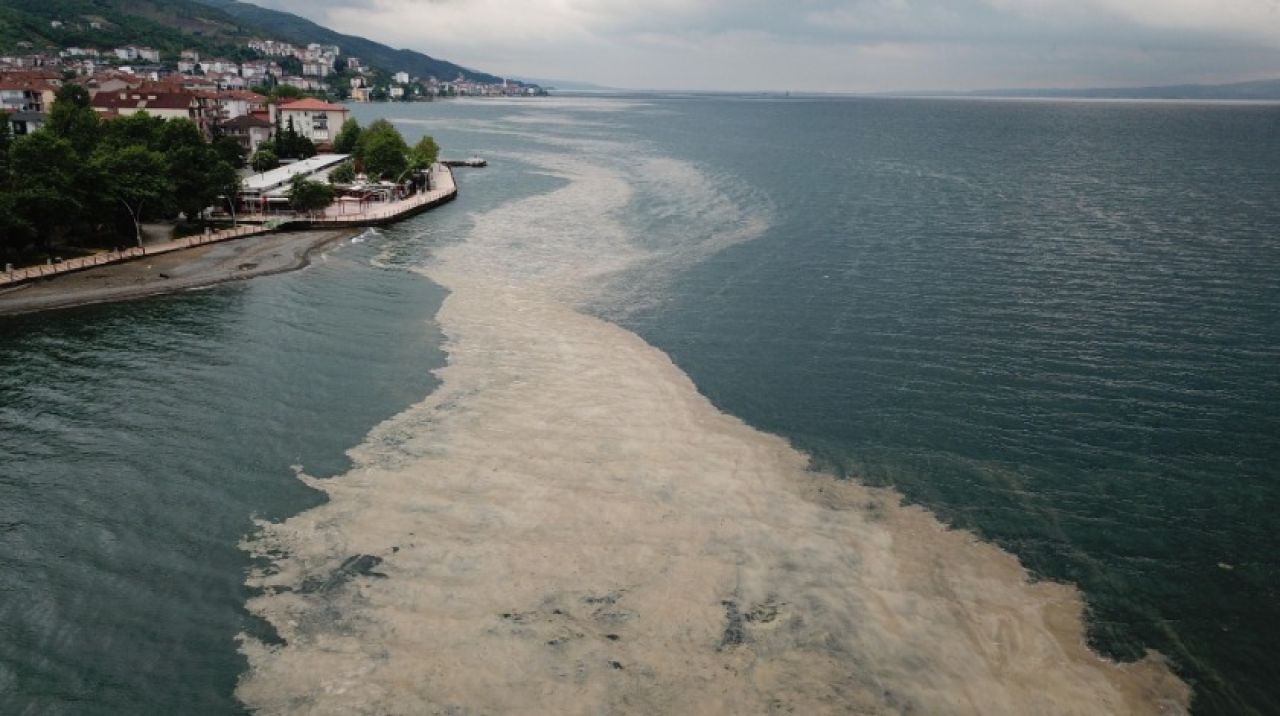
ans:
(267, 141)
(215, 90)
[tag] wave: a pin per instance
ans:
(566, 525)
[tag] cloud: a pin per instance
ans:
(856, 45)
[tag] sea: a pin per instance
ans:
(688, 404)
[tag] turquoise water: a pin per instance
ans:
(1055, 324)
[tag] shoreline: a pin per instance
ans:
(195, 268)
(211, 263)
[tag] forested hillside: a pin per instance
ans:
(214, 27)
(300, 30)
(167, 25)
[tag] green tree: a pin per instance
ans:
(287, 92)
(264, 160)
(344, 173)
(192, 166)
(291, 66)
(424, 154)
(383, 150)
(175, 134)
(44, 176)
(135, 176)
(291, 145)
(348, 137)
(138, 129)
(230, 150)
(6, 141)
(72, 118)
(15, 232)
(384, 156)
(310, 196)
(199, 177)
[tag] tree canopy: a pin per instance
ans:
(264, 160)
(310, 196)
(344, 173)
(382, 150)
(135, 176)
(73, 118)
(348, 137)
(80, 178)
(424, 154)
(288, 144)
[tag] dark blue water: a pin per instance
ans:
(1055, 324)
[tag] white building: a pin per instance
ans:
(249, 130)
(271, 48)
(261, 190)
(317, 68)
(316, 51)
(219, 66)
(401, 78)
(131, 53)
(305, 84)
(254, 70)
(316, 120)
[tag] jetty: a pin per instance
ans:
(443, 189)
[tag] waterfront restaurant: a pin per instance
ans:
(269, 191)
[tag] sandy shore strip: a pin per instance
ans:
(177, 271)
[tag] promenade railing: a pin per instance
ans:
(18, 275)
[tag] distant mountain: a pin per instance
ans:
(1257, 90)
(213, 27)
(291, 28)
(569, 85)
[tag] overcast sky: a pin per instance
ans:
(829, 45)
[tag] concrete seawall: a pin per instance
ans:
(445, 190)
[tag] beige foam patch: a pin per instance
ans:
(567, 526)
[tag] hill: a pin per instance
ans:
(214, 27)
(167, 25)
(291, 28)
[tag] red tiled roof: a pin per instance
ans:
(246, 121)
(245, 95)
(116, 101)
(26, 84)
(313, 105)
(30, 76)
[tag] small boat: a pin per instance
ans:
(476, 162)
